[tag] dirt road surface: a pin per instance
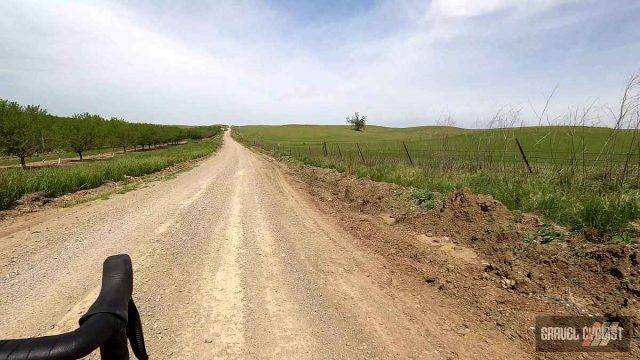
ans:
(230, 261)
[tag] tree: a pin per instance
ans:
(122, 133)
(20, 129)
(82, 132)
(357, 121)
(28, 130)
(144, 135)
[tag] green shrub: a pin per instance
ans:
(425, 198)
(608, 214)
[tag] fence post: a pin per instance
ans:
(360, 151)
(524, 156)
(407, 151)
(626, 167)
(324, 148)
(638, 169)
(339, 152)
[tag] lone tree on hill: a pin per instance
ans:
(357, 121)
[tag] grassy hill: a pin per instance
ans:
(536, 138)
(340, 133)
(542, 144)
(581, 177)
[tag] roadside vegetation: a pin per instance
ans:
(56, 181)
(584, 177)
(28, 132)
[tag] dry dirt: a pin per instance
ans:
(234, 259)
(503, 268)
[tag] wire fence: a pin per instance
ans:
(510, 156)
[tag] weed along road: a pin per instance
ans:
(231, 261)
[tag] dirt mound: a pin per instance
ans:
(32, 202)
(516, 265)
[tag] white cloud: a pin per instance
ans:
(468, 8)
(471, 8)
(243, 61)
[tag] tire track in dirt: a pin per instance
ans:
(225, 298)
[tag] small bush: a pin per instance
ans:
(425, 198)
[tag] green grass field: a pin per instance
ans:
(541, 142)
(334, 133)
(56, 181)
(583, 177)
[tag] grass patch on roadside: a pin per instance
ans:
(126, 188)
(57, 181)
(577, 204)
(103, 196)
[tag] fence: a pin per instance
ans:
(508, 156)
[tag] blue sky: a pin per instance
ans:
(403, 63)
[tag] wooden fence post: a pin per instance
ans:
(407, 151)
(524, 156)
(626, 167)
(638, 172)
(324, 148)
(360, 151)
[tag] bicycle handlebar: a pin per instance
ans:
(108, 323)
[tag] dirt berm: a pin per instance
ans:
(504, 267)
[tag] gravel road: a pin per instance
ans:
(230, 261)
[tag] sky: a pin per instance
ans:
(402, 63)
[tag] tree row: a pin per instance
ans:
(26, 131)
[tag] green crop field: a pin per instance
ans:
(56, 181)
(585, 178)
